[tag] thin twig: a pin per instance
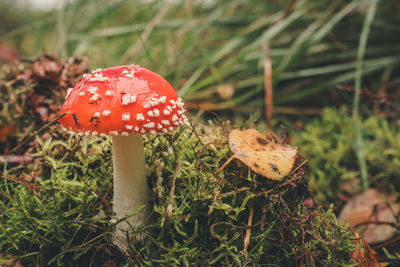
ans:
(269, 105)
(246, 240)
(37, 132)
(168, 212)
(387, 243)
(225, 164)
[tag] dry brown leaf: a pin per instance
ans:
(274, 161)
(48, 68)
(371, 211)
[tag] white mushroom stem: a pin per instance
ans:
(130, 186)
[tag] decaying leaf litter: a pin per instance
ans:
(56, 208)
(272, 160)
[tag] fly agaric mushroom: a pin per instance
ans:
(125, 102)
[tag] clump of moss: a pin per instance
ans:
(328, 145)
(63, 214)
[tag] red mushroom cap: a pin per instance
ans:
(122, 100)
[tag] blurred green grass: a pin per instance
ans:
(199, 46)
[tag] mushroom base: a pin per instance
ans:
(131, 191)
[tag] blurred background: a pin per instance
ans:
(215, 52)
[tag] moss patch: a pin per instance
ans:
(327, 143)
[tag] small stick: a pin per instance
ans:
(269, 105)
(225, 164)
(15, 159)
(37, 132)
(246, 240)
(168, 212)
(216, 194)
(298, 167)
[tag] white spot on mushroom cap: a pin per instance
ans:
(129, 127)
(95, 97)
(165, 122)
(136, 129)
(149, 125)
(126, 116)
(127, 99)
(106, 112)
(82, 93)
(97, 114)
(94, 133)
(140, 117)
(153, 132)
(174, 118)
(129, 73)
(108, 93)
(154, 101)
(179, 103)
(98, 77)
(154, 113)
(92, 89)
(113, 133)
(166, 112)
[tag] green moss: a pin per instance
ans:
(65, 218)
(327, 143)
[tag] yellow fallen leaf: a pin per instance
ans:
(274, 161)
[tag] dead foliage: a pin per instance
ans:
(32, 93)
(376, 216)
(272, 160)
